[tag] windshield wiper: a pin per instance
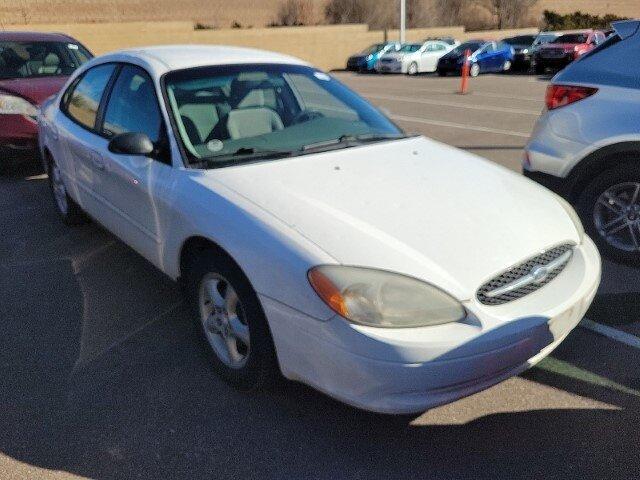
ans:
(352, 140)
(244, 154)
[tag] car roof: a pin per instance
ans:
(34, 37)
(162, 59)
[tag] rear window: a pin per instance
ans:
(40, 59)
(572, 38)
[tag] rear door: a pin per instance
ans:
(137, 189)
(76, 128)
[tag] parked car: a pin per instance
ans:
(486, 56)
(311, 235)
(413, 58)
(541, 39)
(366, 60)
(448, 40)
(522, 47)
(560, 52)
(33, 66)
(586, 146)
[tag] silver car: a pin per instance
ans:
(586, 146)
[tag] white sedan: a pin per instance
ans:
(312, 236)
(414, 58)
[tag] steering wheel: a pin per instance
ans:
(306, 115)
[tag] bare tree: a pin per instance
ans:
(294, 12)
(347, 11)
(511, 13)
(451, 12)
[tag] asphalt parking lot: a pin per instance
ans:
(102, 376)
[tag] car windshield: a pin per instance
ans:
(373, 49)
(473, 46)
(544, 38)
(40, 59)
(236, 113)
(410, 48)
(521, 40)
(572, 38)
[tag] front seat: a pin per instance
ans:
(50, 66)
(250, 122)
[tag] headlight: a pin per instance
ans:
(369, 57)
(525, 51)
(10, 105)
(573, 215)
(383, 299)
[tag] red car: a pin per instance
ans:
(566, 48)
(33, 66)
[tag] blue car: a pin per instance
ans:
(365, 61)
(486, 56)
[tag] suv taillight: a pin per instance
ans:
(562, 95)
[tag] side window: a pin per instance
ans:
(82, 100)
(133, 105)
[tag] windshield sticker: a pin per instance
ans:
(215, 145)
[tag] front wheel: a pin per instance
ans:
(474, 70)
(232, 325)
(506, 66)
(441, 73)
(610, 211)
(413, 69)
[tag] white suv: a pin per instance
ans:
(586, 146)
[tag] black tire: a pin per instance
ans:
(586, 204)
(261, 367)
(442, 73)
(73, 214)
(540, 69)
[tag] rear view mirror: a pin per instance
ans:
(131, 144)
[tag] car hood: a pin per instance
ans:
(36, 90)
(563, 46)
(393, 56)
(413, 206)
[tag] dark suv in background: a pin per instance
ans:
(566, 48)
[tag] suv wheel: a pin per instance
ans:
(232, 325)
(610, 211)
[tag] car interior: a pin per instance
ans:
(23, 60)
(219, 113)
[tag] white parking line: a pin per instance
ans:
(611, 333)
(475, 93)
(442, 103)
(475, 128)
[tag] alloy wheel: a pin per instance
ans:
(616, 216)
(223, 321)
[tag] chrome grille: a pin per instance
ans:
(520, 271)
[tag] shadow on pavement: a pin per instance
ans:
(102, 376)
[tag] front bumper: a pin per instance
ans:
(521, 60)
(18, 136)
(555, 63)
(395, 67)
(411, 370)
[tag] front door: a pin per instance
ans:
(137, 188)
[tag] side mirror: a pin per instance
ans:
(131, 144)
